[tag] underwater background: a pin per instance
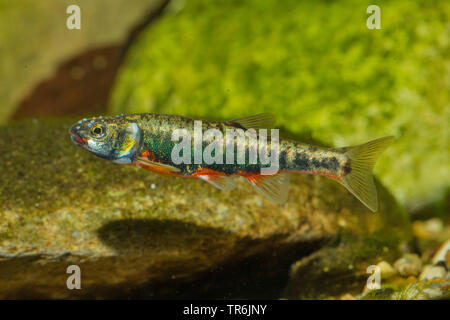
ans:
(329, 80)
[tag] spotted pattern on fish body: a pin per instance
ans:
(145, 141)
(346, 168)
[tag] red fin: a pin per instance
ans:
(207, 172)
(145, 154)
(148, 162)
(156, 167)
(273, 187)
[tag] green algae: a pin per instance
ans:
(317, 67)
(404, 289)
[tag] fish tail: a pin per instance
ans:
(359, 180)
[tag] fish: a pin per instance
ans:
(146, 140)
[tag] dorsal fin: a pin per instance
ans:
(274, 187)
(258, 121)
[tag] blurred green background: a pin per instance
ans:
(314, 64)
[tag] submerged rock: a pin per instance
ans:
(423, 291)
(432, 272)
(134, 233)
(347, 296)
(428, 230)
(386, 270)
(442, 255)
(409, 265)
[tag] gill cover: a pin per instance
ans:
(130, 141)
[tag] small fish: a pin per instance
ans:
(146, 141)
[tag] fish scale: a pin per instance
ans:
(145, 140)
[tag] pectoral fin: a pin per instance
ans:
(156, 165)
(274, 187)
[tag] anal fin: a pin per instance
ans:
(273, 187)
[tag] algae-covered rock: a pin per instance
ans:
(317, 66)
(336, 269)
(340, 272)
(130, 229)
(414, 290)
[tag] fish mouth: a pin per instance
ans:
(77, 139)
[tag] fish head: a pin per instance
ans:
(115, 139)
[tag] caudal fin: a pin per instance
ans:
(359, 180)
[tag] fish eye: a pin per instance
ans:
(98, 131)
